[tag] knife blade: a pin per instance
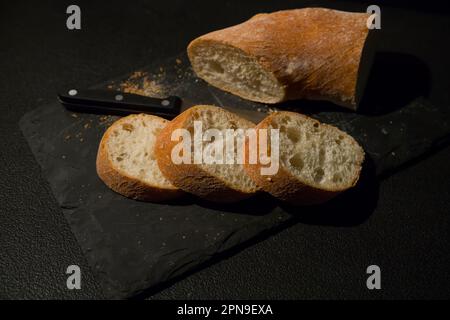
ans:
(109, 102)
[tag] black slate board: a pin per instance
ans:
(134, 245)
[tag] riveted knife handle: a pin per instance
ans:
(118, 103)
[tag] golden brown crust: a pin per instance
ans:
(285, 186)
(120, 182)
(190, 177)
(314, 53)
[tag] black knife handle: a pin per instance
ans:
(118, 103)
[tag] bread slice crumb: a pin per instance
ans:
(126, 159)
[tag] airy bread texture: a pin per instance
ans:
(311, 53)
(214, 182)
(126, 159)
(317, 161)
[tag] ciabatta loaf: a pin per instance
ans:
(212, 181)
(126, 159)
(311, 53)
(316, 161)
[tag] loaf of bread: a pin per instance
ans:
(316, 161)
(214, 182)
(126, 159)
(311, 53)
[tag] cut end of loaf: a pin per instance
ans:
(318, 155)
(309, 53)
(232, 70)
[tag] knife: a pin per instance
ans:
(118, 103)
(99, 101)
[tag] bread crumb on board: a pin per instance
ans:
(106, 120)
(142, 83)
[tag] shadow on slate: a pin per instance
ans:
(139, 248)
(396, 80)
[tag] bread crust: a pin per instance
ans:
(284, 185)
(120, 182)
(190, 177)
(314, 53)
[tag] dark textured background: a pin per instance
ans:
(407, 234)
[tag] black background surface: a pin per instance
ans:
(407, 235)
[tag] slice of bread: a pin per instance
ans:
(316, 161)
(214, 182)
(126, 160)
(310, 53)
